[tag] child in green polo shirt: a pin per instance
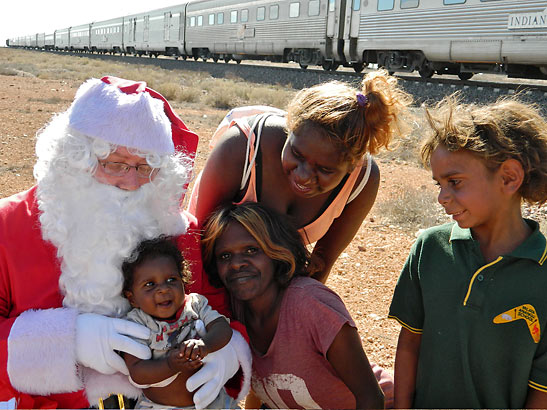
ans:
(472, 296)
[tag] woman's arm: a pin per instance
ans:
(221, 175)
(406, 364)
(349, 360)
(344, 228)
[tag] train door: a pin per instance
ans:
(335, 24)
(167, 26)
(146, 29)
(351, 30)
(182, 19)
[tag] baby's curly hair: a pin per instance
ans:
(355, 125)
(506, 129)
(160, 246)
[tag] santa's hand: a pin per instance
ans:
(217, 368)
(98, 336)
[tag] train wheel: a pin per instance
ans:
(465, 76)
(303, 66)
(330, 65)
(238, 61)
(215, 59)
(358, 67)
(426, 72)
(227, 59)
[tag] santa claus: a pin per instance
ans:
(111, 171)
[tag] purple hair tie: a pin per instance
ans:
(362, 99)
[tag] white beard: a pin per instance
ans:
(96, 226)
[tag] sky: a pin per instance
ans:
(24, 17)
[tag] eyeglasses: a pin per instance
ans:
(118, 169)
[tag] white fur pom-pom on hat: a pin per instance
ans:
(124, 113)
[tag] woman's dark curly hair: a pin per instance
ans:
(274, 232)
(148, 249)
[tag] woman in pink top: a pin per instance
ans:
(313, 359)
(313, 165)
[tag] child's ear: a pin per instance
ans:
(129, 296)
(512, 174)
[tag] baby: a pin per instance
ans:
(184, 328)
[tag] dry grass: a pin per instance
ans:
(411, 208)
(196, 88)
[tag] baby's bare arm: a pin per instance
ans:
(218, 335)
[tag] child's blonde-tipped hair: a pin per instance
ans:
(496, 132)
(354, 124)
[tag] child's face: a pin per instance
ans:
(244, 268)
(469, 192)
(157, 287)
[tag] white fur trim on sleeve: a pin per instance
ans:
(244, 357)
(98, 385)
(41, 353)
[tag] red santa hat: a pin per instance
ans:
(129, 114)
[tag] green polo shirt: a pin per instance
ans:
(482, 324)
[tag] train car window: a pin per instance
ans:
(294, 10)
(409, 4)
(193, 21)
(233, 16)
(356, 5)
(211, 19)
(332, 5)
(244, 15)
(220, 18)
(260, 13)
(313, 8)
(385, 5)
(448, 2)
(200, 21)
(274, 12)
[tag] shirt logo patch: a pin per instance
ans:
(524, 312)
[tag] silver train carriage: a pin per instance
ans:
(449, 36)
(459, 37)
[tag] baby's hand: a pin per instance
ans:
(193, 349)
(176, 360)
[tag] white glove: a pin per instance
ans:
(218, 367)
(97, 337)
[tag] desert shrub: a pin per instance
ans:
(406, 148)
(222, 100)
(411, 208)
(8, 71)
(189, 94)
(169, 90)
(271, 96)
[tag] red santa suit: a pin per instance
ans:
(38, 364)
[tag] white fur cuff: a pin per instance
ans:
(41, 353)
(100, 386)
(243, 352)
